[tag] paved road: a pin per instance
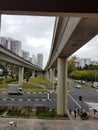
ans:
(87, 95)
(41, 99)
(33, 100)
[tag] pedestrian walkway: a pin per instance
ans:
(43, 124)
(72, 116)
(92, 115)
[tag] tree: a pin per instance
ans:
(3, 66)
(87, 75)
(27, 73)
(71, 64)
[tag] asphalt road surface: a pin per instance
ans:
(50, 100)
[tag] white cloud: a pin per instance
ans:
(34, 42)
(34, 32)
(89, 50)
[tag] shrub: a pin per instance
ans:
(41, 110)
(84, 115)
(9, 80)
(19, 111)
(2, 109)
(45, 112)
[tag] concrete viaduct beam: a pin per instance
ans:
(8, 56)
(50, 7)
(72, 33)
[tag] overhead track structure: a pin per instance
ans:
(50, 7)
(10, 57)
(70, 34)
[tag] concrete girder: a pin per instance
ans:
(50, 7)
(76, 33)
(64, 30)
(8, 56)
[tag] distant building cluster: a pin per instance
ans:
(82, 62)
(16, 47)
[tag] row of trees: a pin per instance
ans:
(88, 73)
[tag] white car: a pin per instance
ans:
(78, 86)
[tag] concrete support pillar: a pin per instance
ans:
(48, 75)
(33, 73)
(39, 74)
(21, 72)
(52, 77)
(62, 87)
(45, 74)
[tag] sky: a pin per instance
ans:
(35, 33)
(89, 50)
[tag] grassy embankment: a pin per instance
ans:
(39, 84)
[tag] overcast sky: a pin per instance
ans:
(89, 50)
(35, 33)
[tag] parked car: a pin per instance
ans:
(78, 86)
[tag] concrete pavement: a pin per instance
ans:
(43, 124)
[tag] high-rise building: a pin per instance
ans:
(15, 46)
(82, 62)
(25, 55)
(4, 42)
(30, 59)
(11, 44)
(34, 59)
(40, 60)
(94, 62)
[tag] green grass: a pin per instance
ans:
(87, 87)
(47, 114)
(30, 85)
(33, 113)
(3, 90)
(4, 85)
(69, 88)
(41, 81)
